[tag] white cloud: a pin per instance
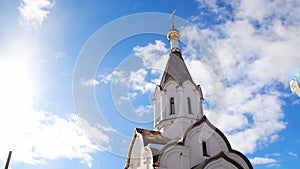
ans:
(138, 82)
(88, 82)
(257, 47)
(154, 56)
(34, 12)
(226, 125)
(35, 136)
(117, 77)
(40, 136)
(214, 11)
(143, 110)
(276, 154)
(292, 154)
(262, 160)
(60, 54)
(105, 78)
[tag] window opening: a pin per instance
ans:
(172, 106)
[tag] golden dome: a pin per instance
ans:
(173, 33)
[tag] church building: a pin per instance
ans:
(182, 138)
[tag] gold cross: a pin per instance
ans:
(172, 17)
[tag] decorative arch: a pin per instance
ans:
(213, 131)
(216, 133)
(219, 161)
(169, 82)
(189, 84)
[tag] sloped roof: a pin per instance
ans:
(176, 70)
(152, 137)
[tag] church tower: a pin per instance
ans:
(183, 138)
(177, 99)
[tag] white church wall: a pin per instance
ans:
(171, 93)
(146, 160)
(214, 143)
(238, 159)
(162, 99)
(220, 164)
(174, 127)
(176, 157)
(157, 103)
(189, 92)
(136, 152)
(194, 142)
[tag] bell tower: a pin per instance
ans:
(177, 99)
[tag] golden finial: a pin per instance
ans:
(172, 17)
(173, 32)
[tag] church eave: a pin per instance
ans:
(205, 120)
(220, 155)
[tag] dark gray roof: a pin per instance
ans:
(176, 70)
(152, 137)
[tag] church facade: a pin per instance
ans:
(182, 138)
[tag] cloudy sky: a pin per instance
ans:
(77, 77)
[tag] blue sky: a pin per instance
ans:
(77, 77)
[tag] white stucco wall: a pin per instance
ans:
(220, 164)
(174, 125)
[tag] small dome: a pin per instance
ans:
(173, 33)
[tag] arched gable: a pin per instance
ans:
(174, 154)
(157, 91)
(189, 85)
(205, 141)
(216, 143)
(170, 83)
(219, 161)
(206, 129)
(191, 99)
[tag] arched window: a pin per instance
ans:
(189, 105)
(172, 106)
(204, 149)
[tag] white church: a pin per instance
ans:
(182, 138)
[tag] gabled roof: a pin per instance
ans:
(152, 137)
(176, 70)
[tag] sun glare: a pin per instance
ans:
(16, 98)
(16, 85)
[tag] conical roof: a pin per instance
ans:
(176, 70)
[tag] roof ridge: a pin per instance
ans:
(176, 70)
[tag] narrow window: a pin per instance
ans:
(204, 149)
(189, 105)
(172, 106)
